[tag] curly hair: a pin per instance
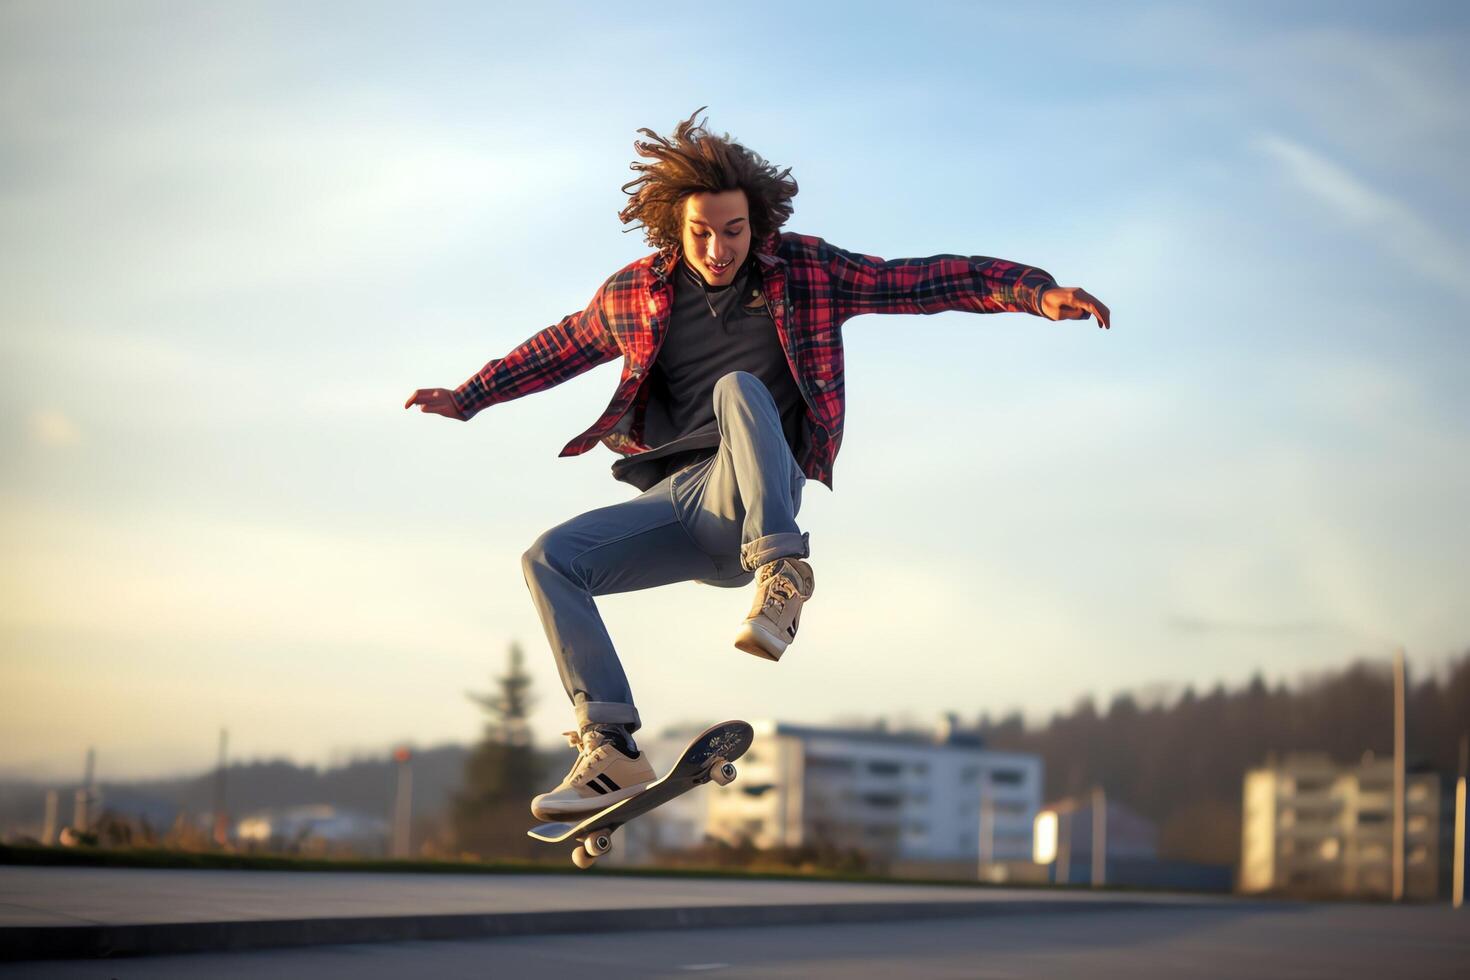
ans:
(695, 160)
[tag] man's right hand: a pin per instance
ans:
(1072, 303)
(435, 401)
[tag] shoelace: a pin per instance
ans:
(781, 591)
(584, 755)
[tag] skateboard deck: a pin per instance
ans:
(709, 757)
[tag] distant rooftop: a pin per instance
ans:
(954, 739)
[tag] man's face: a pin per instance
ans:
(716, 234)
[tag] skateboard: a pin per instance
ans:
(710, 757)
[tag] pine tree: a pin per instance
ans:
(491, 811)
(509, 708)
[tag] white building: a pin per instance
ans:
(907, 800)
(1312, 826)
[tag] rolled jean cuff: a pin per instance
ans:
(607, 713)
(788, 544)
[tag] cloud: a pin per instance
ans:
(53, 429)
(1401, 230)
(1332, 184)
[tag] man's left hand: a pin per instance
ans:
(1074, 303)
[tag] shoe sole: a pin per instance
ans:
(757, 641)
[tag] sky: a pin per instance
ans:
(235, 237)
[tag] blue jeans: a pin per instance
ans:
(715, 521)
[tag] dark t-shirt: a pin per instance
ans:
(700, 348)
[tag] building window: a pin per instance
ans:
(818, 763)
(884, 800)
(884, 768)
(1007, 777)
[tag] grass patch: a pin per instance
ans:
(102, 857)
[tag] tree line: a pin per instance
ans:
(1182, 764)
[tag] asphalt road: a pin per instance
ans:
(1288, 941)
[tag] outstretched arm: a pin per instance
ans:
(979, 284)
(560, 352)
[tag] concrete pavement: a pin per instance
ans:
(1225, 941)
(88, 912)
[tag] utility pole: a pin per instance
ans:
(987, 825)
(81, 816)
(1398, 775)
(1099, 837)
(1064, 849)
(48, 826)
(403, 803)
(221, 817)
(1457, 891)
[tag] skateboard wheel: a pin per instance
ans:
(723, 774)
(582, 859)
(598, 845)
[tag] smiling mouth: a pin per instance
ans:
(718, 268)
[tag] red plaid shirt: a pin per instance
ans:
(811, 289)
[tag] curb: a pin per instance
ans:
(148, 939)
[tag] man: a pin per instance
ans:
(731, 396)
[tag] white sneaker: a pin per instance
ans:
(601, 776)
(781, 586)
